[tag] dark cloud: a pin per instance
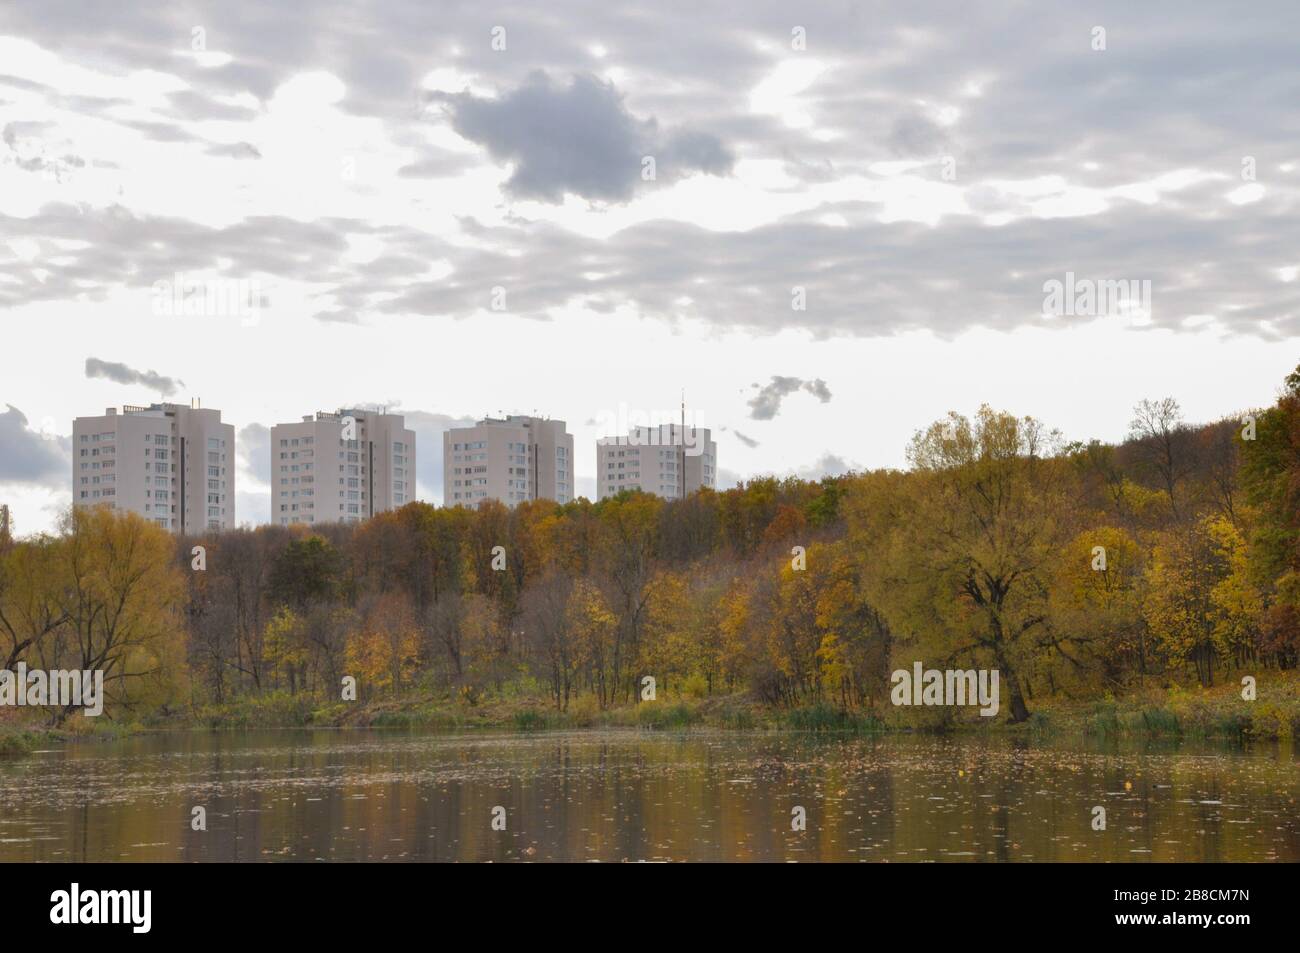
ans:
(766, 404)
(747, 441)
(122, 374)
(28, 457)
(578, 139)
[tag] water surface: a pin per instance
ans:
(625, 795)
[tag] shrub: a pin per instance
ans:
(529, 719)
(695, 686)
(583, 711)
(662, 715)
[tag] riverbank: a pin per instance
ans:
(19, 741)
(1154, 712)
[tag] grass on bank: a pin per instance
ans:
(1181, 712)
(1154, 712)
(1176, 711)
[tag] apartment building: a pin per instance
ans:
(668, 460)
(173, 465)
(512, 459)
(341, 467)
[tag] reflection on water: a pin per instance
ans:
(630, 796)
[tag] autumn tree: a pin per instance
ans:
(626, 560)
(385, 649)
(594, 629)
(1270, 477)
(1097, 586)
(118, 590)
(1157, 430)
(982, 518)
(30, 608)
(548, 623)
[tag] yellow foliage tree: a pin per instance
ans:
(593, 626)
(384, 651)
(118, 588)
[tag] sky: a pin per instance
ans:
(827, 227)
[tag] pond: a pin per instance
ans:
(628, 795)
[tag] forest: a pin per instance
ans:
(1077, 570)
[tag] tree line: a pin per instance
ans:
(1075, 569)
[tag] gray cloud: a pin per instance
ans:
(28, 457)
(254, 447)
(747, 441)
(253, 508)
(190, 105)
(728, 478)
(437, 164)
(828, 464)
(916, 136)
(766, 404)
(578, 139)
(121, 374)
(28, 149)
(14, 131)
(866, 278)
(1036, 84)
(1181, 76)
(145, 249)
(234, 150)
(429, 428)
(818, 389)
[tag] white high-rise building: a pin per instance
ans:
(515, 459)
(668, 460)
(341, 467)
(173, 465)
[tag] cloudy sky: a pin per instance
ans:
(828, 227)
